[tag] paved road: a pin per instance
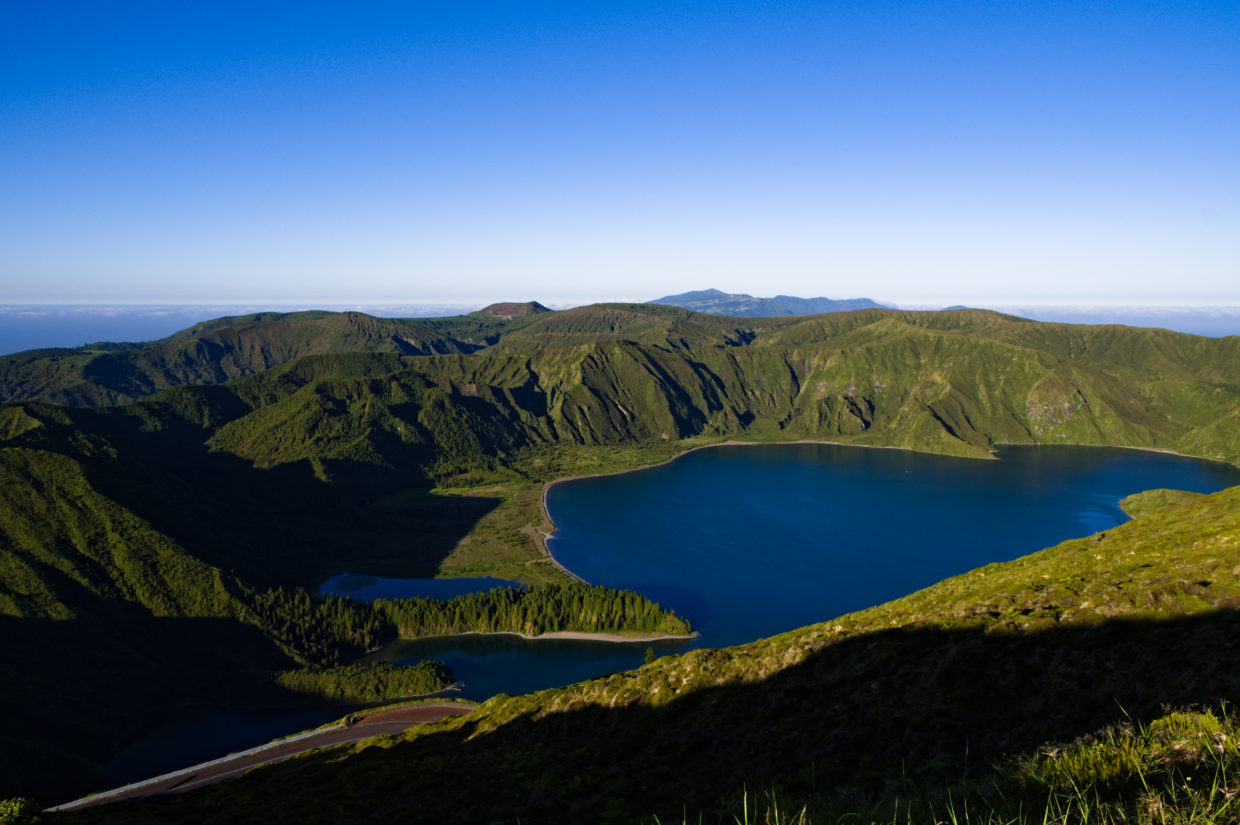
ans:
(380, 722)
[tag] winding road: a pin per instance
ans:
(395, 720)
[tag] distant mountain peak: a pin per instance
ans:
(698, 295)
(511, 309)
(717, 302)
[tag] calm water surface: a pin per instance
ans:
(747, 542)
(754, 540)
(369, 588)
(751, 541)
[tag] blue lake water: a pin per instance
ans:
(368, 588)
(745, 542)
(750, 541)
(487, 664)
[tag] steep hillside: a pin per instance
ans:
(143, 572)
(107, 622)
(949, 381)
(931, 692)
(217, 351)
(954, 382)
(130, 558)
(209, 353)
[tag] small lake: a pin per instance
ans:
(368, 588)
(750, 541)
(204, 734)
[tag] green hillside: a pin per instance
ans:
(133, 561)
(980, 687)
(208, 353)
(135, 537)
(950, 382)
(954, 381)
(132, 587)
(329, 462)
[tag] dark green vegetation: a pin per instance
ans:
(330, 630)
(572, 607)
(1034, 687)
(18, 810)
(140, 544)
(1180, 768)
(715, 302)
(324, 631)
(373, 682)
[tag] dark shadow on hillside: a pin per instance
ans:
(284, 525)
(75, 692)
(930, 705)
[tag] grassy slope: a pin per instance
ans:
(920, 692)
(326, 462)
(1140, 504)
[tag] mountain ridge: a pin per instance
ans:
(717, 302)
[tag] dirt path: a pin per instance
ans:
(380, 722)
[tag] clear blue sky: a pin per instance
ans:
(460, 151)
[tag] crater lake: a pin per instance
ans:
(747, 541)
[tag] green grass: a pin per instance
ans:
(1179, 769)
(1140, 504)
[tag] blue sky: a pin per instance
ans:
(458, 152)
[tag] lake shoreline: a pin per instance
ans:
(544, 536)
(571, 635)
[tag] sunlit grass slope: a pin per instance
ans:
(977, 690)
